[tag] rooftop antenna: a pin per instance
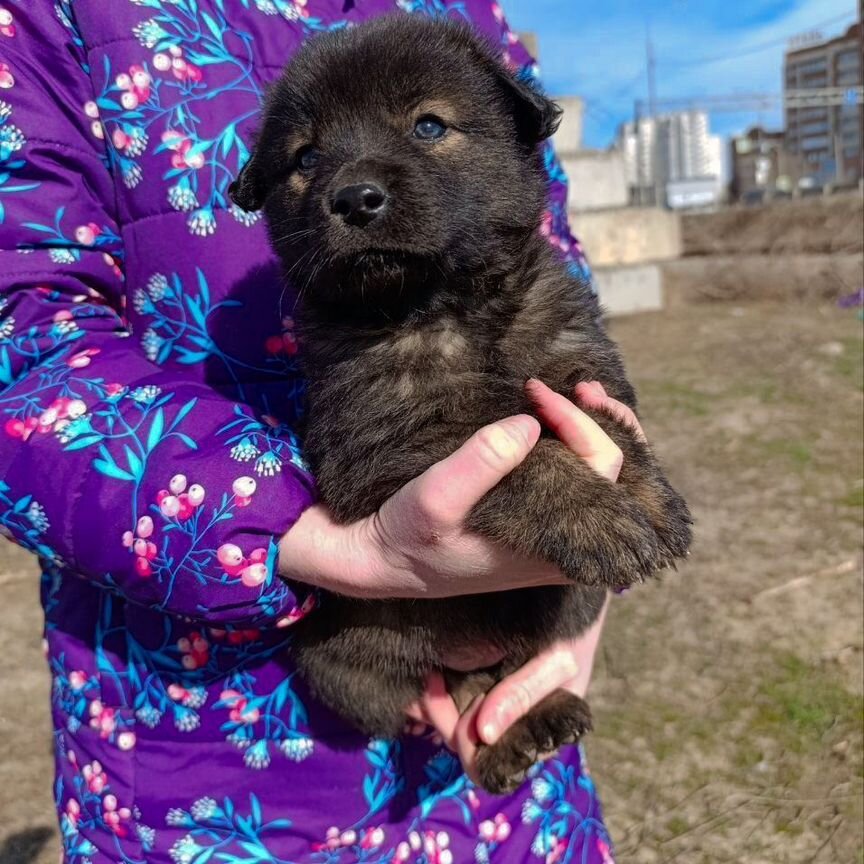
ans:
(651, 66)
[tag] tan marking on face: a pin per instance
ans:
(298, 182)
(437, 108)
(447, 114)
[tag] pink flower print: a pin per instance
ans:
(126, 740)
(102, 719)
(145, 550)
(16, 429)
(77, 679)
(231, 558)
(285, 342)
(114, 817)
(81, 359)
(557, 852)
(254, 575)
(252, 570)
(605, 851)
(299, 612)
(7, 22)
(235, 637)
(7, 80)
(180, 67)
(240, 712)
(181, 145)
(96, 778)
(136, 88)
(73, 811)
(86, 234)
(495, 830)
(434, 846)
(176, 501)
(373, 838)
(114, 390)
(331, 842)
(195, 650)
(243, 489)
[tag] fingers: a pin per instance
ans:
(437, 708)
(447, 492)
(593, 395)
(465, 739)
(518, 693)
(577, 430)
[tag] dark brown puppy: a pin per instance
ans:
(399, 170)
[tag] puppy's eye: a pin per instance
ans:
(307, 159)
(429, 128)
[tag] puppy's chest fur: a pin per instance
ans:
(386, 402)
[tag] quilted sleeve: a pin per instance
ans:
(111, 467)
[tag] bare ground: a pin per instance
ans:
(728, 697)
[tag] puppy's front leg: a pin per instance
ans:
(553, 506)
(643, 478)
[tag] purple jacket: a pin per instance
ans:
(148, 385)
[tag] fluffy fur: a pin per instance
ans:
(422, 315)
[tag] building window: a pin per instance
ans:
(847, 60)
(815, 142)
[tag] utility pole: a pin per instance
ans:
(651, 66)
(651, 73)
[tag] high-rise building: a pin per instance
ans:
(672, 159)
(824, 114)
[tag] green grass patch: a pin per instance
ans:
(677, 398)
(798, 453)
(800, 704)
(855, 498)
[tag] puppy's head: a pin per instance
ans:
(393, 155)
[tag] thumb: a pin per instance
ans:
(448, 491)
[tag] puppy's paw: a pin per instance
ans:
(611, 542)
(666, 510)
(561, 718)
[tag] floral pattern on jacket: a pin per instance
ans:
(149, 389)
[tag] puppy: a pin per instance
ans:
(398, 167)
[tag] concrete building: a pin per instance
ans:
(827, 129)
(667, 155)
(762, 166)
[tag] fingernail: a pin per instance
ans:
(489, 733)
(522, 425)
(597, 387)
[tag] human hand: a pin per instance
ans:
(568, 663)
(416, 545)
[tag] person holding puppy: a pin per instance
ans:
(149, 457)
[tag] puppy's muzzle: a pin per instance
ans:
(359, 204)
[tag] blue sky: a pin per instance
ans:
(597, 50)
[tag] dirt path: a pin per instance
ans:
(728, 697)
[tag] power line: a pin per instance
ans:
(754, 49)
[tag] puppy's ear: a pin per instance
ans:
(537, 117)
(249, 191)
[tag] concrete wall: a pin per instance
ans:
(625, 290)
(628, 236)
(597, 179)
(568, 138)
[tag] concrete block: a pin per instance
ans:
(625, 290)
(628, 235)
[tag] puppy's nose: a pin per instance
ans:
(360, 203)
